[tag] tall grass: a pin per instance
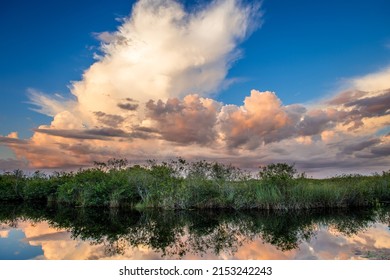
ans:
(194, 185)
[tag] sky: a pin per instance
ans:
(241, 82)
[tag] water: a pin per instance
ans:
(41, 232)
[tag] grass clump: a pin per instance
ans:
(179, 184)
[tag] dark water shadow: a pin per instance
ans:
(178, 233)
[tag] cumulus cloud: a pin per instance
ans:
(149, 95)
(191, 120)
(262, 119)
(336, 134)
(162, 51)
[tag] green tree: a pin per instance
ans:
(280, 175)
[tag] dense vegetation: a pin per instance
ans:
(188, 185)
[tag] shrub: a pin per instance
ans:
(69, 193)
(37, 187)
(11, 185)
(123, 187)
(280, 175)
(95, 194)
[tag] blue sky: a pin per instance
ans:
(304, 48)
(48, 44)
(303, 51)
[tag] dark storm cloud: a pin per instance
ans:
(316, 121)
(98, 134)
(12, 164)
(108, 119)
(372, 106)
(381, 150)
(350, 149)
(345, 97)
(9, 140)
(359, 105)
(128, 106)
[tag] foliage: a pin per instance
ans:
(279, 173)
(38, 187)
(11, 185)
(178, 184)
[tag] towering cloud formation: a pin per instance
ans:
(148, 96)
(159, 52)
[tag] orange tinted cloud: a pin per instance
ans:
(191, 120)
(146, 97)
(261, 119)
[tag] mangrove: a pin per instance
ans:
(178, 184)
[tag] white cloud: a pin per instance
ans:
(49, 105)
(148, 96)
(372, 82)
(163, 51)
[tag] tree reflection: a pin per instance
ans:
(177, 233)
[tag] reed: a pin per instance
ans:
(194, 185)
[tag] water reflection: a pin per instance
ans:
(198, 234)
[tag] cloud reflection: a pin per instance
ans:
(69, 234)
(325, 245)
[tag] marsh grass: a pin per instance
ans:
(194, 185)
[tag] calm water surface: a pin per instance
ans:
(41, 232)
